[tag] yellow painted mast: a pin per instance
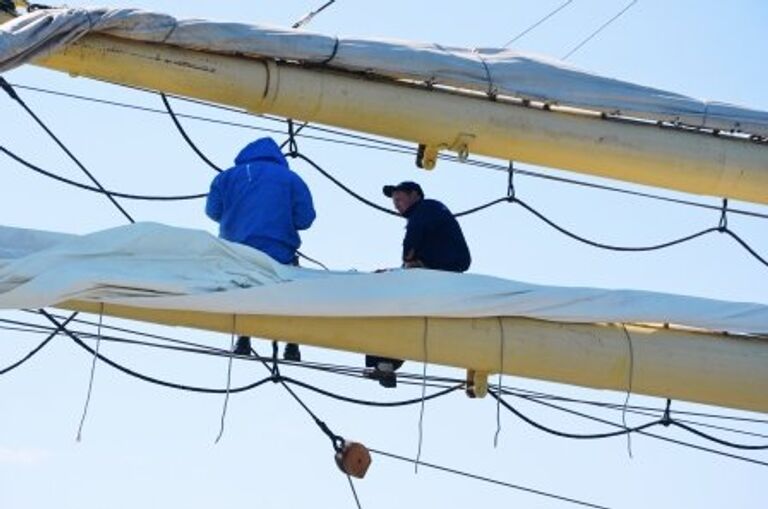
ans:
(716, 369)
(573, 140)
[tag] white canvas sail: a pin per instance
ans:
(154, 266)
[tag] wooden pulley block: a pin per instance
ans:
(353, 459)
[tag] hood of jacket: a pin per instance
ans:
(263, 149)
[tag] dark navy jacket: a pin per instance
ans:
(261, 202)
(435, 237)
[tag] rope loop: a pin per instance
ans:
(276, 377)
(666, 419)
(723, 226)
(511, 182)
(338, 443)
(293, 147)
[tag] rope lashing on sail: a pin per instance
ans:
(225, 406)
(87, 403)
(334, 52)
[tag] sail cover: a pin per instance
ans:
(149, 265)
(493, 71)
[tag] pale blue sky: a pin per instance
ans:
(149, 447)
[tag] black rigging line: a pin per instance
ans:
(620, 408)
(331, 368)
(609, 246)
(486, 479)
(357, 373)
(279, 378)
(12, 93)
(712, 438)
(156, 381)
(185, 135)
(385, 404)
(539, 22)
(308, 17)
(345, 188)
(600, 29)
(99, 189)
(383, 145)
(543, 395)
(338, 442)
(59, 328)
(644, 411)
(511, 199)
(665, 420)
(644, 432)
(125, 330)
(743, 244)
(577, 436)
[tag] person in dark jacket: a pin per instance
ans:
(261, 203)
(433, 237)
(433, 240)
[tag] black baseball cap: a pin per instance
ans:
(407, 186)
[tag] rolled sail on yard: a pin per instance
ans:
(674, 346)
(443, 98)
(487, 70)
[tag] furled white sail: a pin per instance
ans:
(492, 71)
(149, 265)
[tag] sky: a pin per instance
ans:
(145, 446)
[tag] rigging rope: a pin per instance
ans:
(377, 144)
(600, 29)
(539, 22)
(39, 347)
(13, 95)
(184, 134)
(510, 198)
(487, 479)
(665, 420)
(358, 373)
(92, 376)
(643, 432)
(99, 190)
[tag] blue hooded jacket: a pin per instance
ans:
(261, 202)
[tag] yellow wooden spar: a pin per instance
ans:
(579, 141)
(716, 369)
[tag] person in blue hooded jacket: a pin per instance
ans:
(262, 203)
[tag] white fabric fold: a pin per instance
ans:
(506, 72)
(150, 265)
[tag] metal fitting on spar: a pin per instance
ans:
(427, 153)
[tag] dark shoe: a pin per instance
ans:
(373, 361)
(292, 352)
(243, 346)
(384, 371)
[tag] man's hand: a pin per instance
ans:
(413, 264)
